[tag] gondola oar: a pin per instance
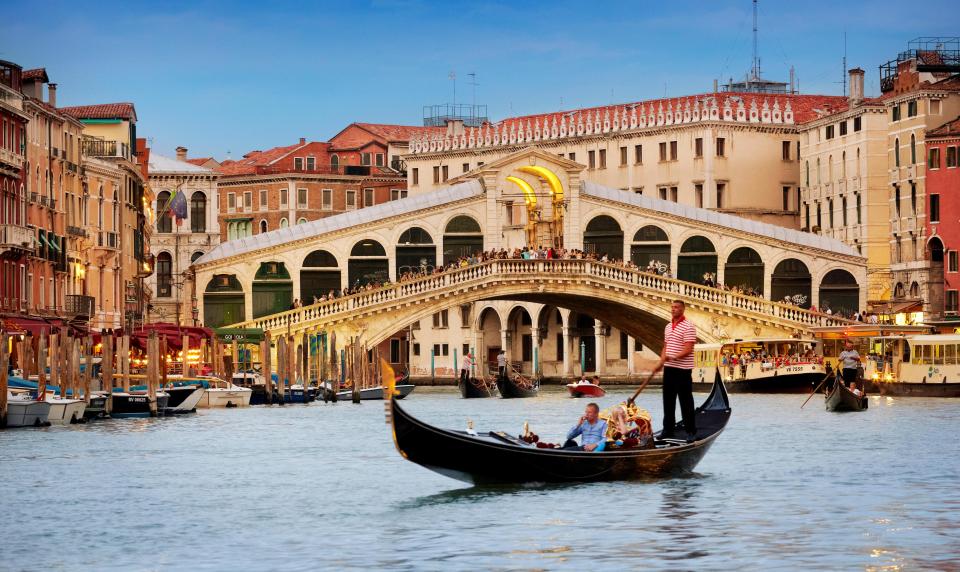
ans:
(814, 392)
(641, 388)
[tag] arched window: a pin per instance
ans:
(334, 163)
(415, 251)
(697, 258)
(164, 222)
(858, 162)
(808, 173)
(843, 166)
(263, 226)
(164, 275)
(603, 236)
(284, 223)
(896, 152)
(830, 169)
(913, 149)
(461, 237)
(650, 248)
(195, 256)
(818, 170)
(301, 220)
(198, 212)
(840, 292)
(368, 264)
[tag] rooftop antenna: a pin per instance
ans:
(844, 62)
(756, 58)
(453, 78)
(473, 83)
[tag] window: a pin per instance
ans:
(934, 107)
(663, 151)
(396, 194)
(283, 198)
(808, 173)
(365, 159)
(829, 132)
(786, 198)
(698, 147)
(301, 220)
(284, 223)
(913, 198)
(416, 349)
(603, 158)
(164, 275)
(623, 345)
(673, 150)
(698, 195)
(859, 211)
(638, 154)
(415, 176)
(368, 197)
(785, 150)
(843, 210)
(951, 157)
(441, 319)
(311, 163)
(806, 210)
(301, 198)
(952, 301)
(896, 152)
(673, 194)
(379, 159)
(819, 217)
(912, 108)
(830, 211)
(895, 113)
(263, 226)
(591, 159)
(263, 199)
(896, 199)
(164, 222)
(623, 156)
(913, 149)
(465, 167)
(934, 161)
(441, 349)
(721, 187)
(721, 147)
(436, 173)
(663, 193)
(298, 163)
(856, 124)
(351, 200)
(198, 212)
(572, 156)
(231, 202)
(934, 208)
(326, 199)
(465, 349)
(952, 261)
(248, 201)
(446, 172)
(843, 128)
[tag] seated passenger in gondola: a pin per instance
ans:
(592, 430)
(629, 426)
(854, 390)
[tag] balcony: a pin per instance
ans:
(76, 231)
(44, 201)
(79, 306)
(108, 240)
(102, 148)
(895, 226)
(855, 184)
(911, 174)
(841, 187)
(910, 224)
(11, 158)
(15, 237)
(894, 176)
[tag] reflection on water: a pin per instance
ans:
(321, 487)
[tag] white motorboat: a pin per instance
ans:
(65, 411)
(25, 411)
(224, 394)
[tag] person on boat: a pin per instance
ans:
(596, 380)
(854, 390)
(465, 363)
(583, 379)
(591, 429)
(677, 363)
(502, 364)
(849, 360)
(629, 425)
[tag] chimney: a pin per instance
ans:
(52, 94)
(715, 86)
(303, 140)
(181, 153)
(856, 86)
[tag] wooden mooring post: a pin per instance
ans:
(88, 368)
(265, 367)
(4, 358)
(153, 370)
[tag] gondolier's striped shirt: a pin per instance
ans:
(675, 335)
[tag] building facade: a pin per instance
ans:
(844, 183)
(731, 152)
(176, 244)
(942, 224)
(16, 238)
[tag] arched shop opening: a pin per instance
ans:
(272, 289)
(840, 292)
(223, 302)
(416, 252)
(462, 237)
(603, 236)
(744, 270)
(319, 276)
(791, 283)
(368, 264)
(650, 244)
(697, 257)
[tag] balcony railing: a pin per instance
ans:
(107, 239)
(357, 170)
(15, 236)
(11, 158)
(76, 231)
(77, 305)
(102, 148)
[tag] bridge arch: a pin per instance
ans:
(744, 269)
(488, 325)
(840, 292)
(604, 235)
(791, 279)
(415, 251)
(319, 275)
(462, 236)
(650, 244)
(368, 263)
(697, 256)
(223, 301)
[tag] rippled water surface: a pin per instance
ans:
(321, 487)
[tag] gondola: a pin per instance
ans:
(840, 398)
(510, 388)
(499, 458)
(474, 388)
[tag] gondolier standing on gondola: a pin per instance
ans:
(466, 362)
(502, 364)
(676, 360)
(849, 360)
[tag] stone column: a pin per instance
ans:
(505, 343)
(631, 350)
(600, 347)
(536, 357)
(768, 282)
(567, 352)
(248, 302)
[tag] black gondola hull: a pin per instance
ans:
(509, 389)
(474, 389)
(491, 459)
(842, 399)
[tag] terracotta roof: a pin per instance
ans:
(398, 132)
(833, 108)
(199, 160)
(249, 163)
(951, 83)
(102, 111)
(35, 74)
(949, 129)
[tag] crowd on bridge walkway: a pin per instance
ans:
(550, 253)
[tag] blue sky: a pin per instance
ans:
(221, 77)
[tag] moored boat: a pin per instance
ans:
(585, 389)
(220, 393)
(135, 404)
(497, 457)
(25, 411)
(65, 411)
(371, 393)
(184, 395)
(840, 398)
(97, 407)
(517, 387)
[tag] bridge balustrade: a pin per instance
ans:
(611, 273)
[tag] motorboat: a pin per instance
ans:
(23, 410)
(222, 393)
(760, 365)
(585, 389)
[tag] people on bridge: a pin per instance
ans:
(591, 428)
(677, 363)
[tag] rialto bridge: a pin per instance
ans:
(557, 313)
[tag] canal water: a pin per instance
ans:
(321, 487)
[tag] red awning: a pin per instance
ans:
(22, 325)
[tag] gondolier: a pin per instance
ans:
(466, 362)
(849, 360)
(502, 364)
(677, 363)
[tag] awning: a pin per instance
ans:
(241, 335)
(23, 325)
(901, 307)
(54, 243)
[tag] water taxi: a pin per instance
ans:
(767, 365)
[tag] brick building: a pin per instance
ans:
(943, 216)
(16, 239)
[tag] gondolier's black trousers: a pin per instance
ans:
(502, 372)
(464, 375)
(678, 384)
(849, 375)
